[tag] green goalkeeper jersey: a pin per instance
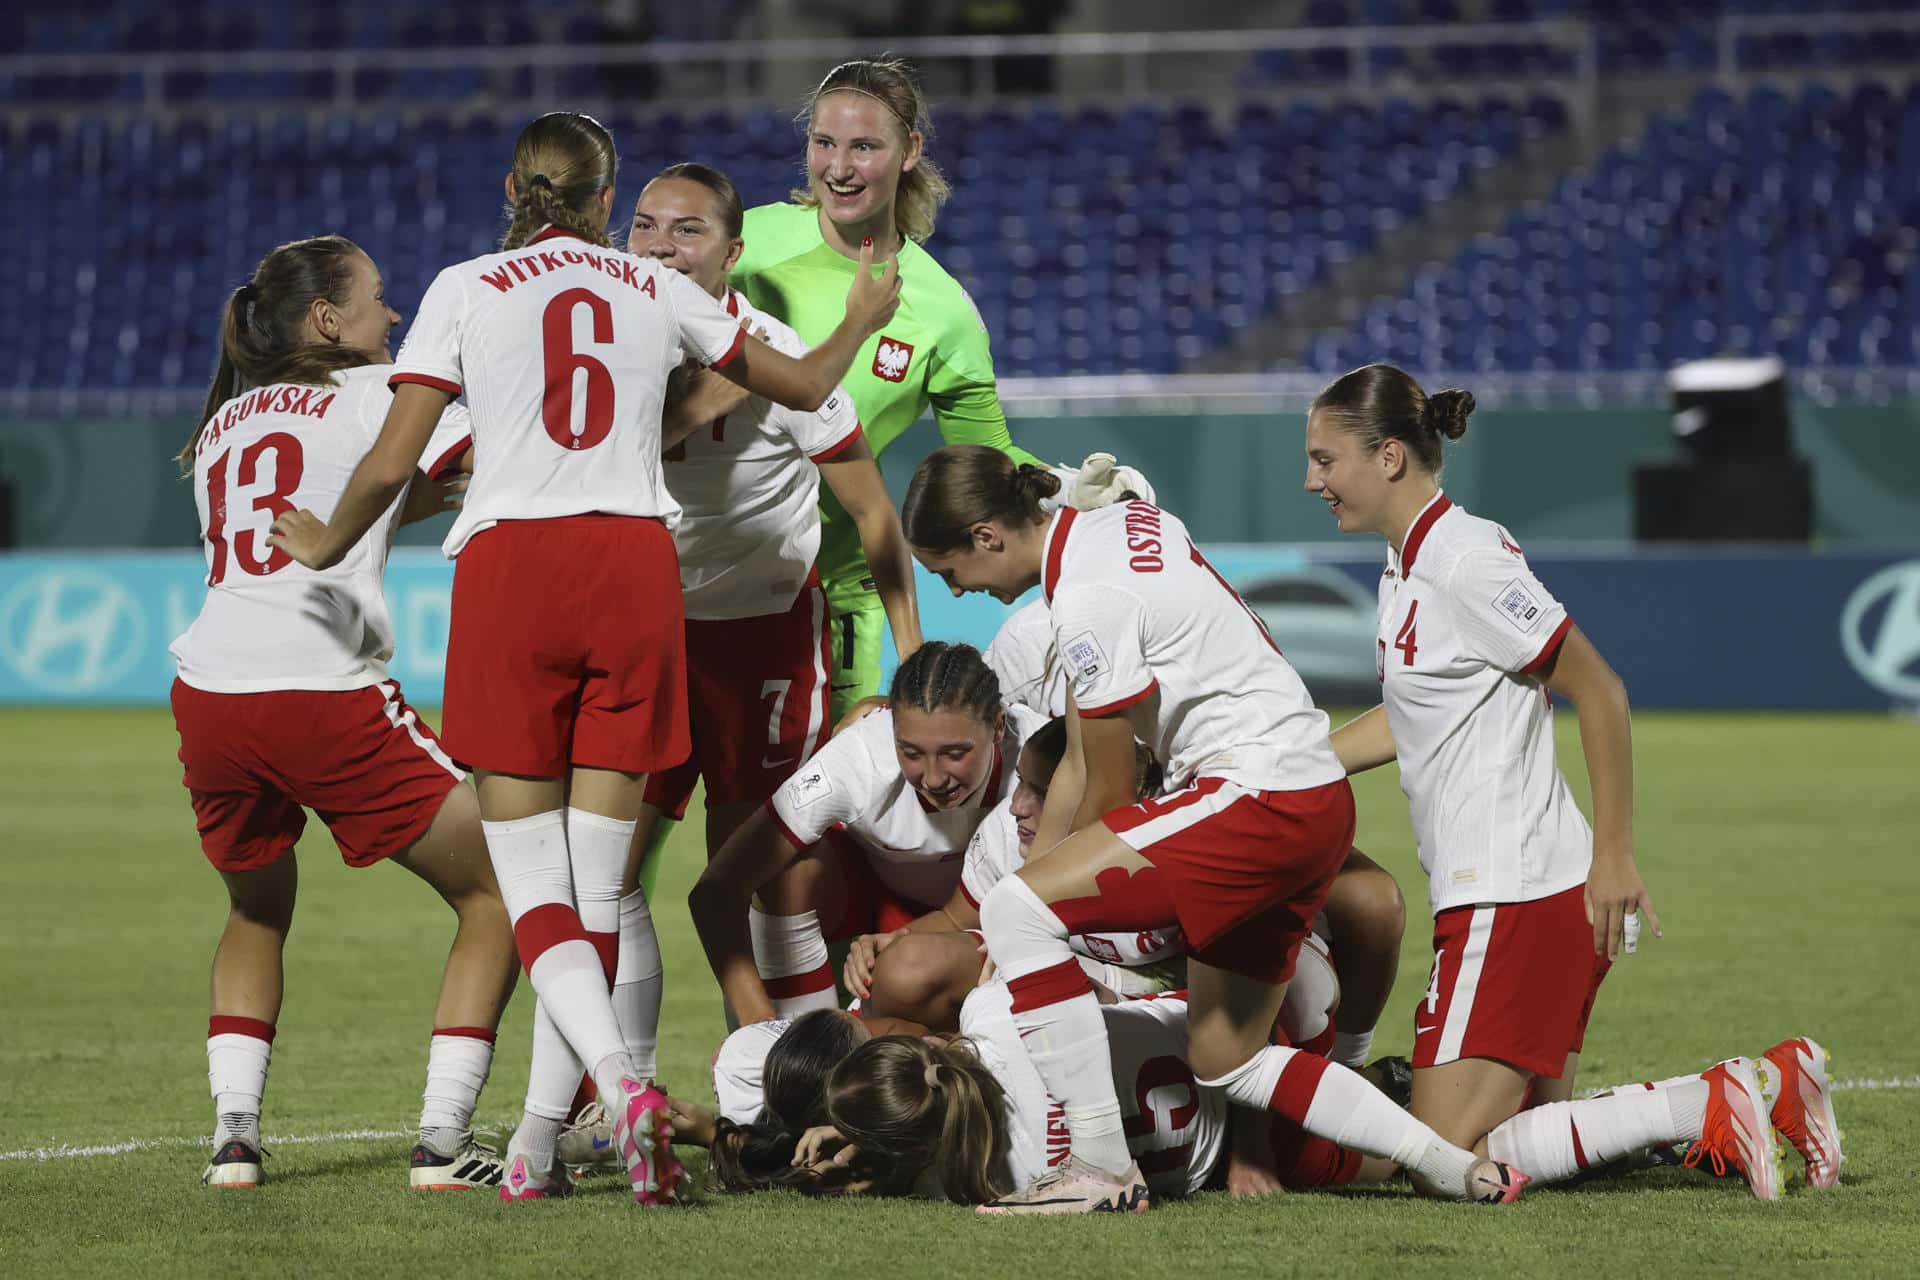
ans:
(933, 352)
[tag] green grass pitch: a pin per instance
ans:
(1781, 851)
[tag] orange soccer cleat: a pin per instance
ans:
(1803, 1112)
(1737, 1131)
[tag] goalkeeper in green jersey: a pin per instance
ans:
(868, 178)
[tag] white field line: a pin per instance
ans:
(66, 1151)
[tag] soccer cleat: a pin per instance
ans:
(474, 1165)
(522, 1181)
(1737, 1132)
(1075, 1186)
(234, 1165)
(588, 1139)
(1803, 1111)
(643, 1135)
(1491, 1182)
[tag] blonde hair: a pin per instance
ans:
(923, 188)
(262, 328)
(908, 1104)
(561, 164)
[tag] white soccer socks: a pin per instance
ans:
(1332, 1102)
(238, 1050)
(458, 1060)
(791, 955)
(1058, 1018)
(1560, 1139)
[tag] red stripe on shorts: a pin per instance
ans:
(1147, 810)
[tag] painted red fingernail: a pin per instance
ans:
(867, 243)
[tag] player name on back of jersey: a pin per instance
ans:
(534, 263)
(308, 402)
(1143, 538)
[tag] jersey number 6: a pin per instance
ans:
(289, 460)
(563, 366)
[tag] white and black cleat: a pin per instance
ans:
(475, 1166)
(235, 1164)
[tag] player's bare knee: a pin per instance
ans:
(907, 976)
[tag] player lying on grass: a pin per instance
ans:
(1530, 904)
(284, 699)
(964, 1117)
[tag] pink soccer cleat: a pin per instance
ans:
(524, 1182)
(1803, 1112)
(1491, 1182)
(643, 1135)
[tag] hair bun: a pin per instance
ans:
(1447, 412)
(1035, 482)
(540, 180)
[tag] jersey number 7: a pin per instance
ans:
(289, 460)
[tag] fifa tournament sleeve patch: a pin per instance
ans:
(1517, 605)
(1084, 657)
(808, 787)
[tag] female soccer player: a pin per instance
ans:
(748, 486)
(869, 178)
(1241, 851)
(932, 963)
(867, 836)
(283, 698)
(566, 677)
(758, 654)
(1531, 905)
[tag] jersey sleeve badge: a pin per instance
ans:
(1518, 606)
(1084, 656)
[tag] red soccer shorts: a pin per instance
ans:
(1245, 871)
(567, 648)
(758, 703)
(360, 758)
(870, 906)
(1514, 981)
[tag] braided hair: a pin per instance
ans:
(947, 677)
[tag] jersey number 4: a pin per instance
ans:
(1405, 641)
(566, 367)
(289, 460)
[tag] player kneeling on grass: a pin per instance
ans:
(1531, 905)
(283, 698)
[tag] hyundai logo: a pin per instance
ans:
(71, 631)
(1880, 630)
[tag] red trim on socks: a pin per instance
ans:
(799, 984)
(545, 927)
(1054, 984)
(470, 1033)
(224, 1024)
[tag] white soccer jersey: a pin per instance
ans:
(268, 622)
(563, 350)
(1175, 1129)
(1463, 624)
(855, 784)
(749, 492)
(1022, 656)
(994, 853)
(739, 1069)
(1145, 626)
